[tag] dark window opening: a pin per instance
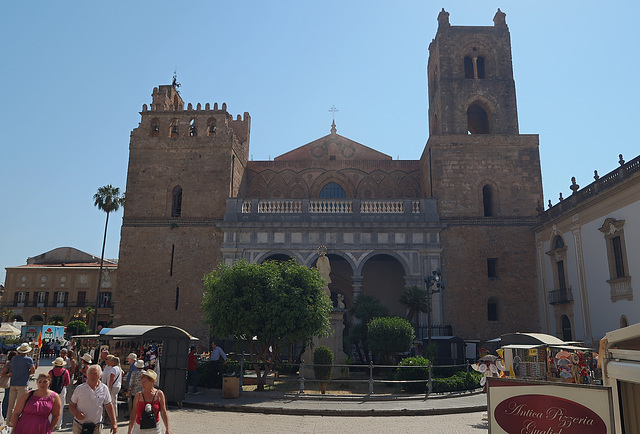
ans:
(193, 130)
(173, 249)
(492, 310)
(480, 66)
(105, 299)
(82, 298)
(177, 296)
(477, 120)
(617, 256)
(468, 67)
(487, 200)
(154, 127)
(332, 190)
(332, 157)
(176, 202)
(562, 283)
(211, 126)
(492, 267)
(174, 131)
(566, 329)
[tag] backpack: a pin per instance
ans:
(57, 382)
(148, 417)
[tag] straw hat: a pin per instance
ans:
(132, 356)
(59, 361)
(151, 374)
(24, 348)
(87, 358)
(140, 364)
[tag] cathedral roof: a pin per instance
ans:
(333, 147)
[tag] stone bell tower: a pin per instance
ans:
(183, 165)
(486, 177)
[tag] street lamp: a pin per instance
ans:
(435, 278)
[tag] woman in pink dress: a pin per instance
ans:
(31, 415)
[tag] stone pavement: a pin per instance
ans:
(332, 405)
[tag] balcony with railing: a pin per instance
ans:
(621, 289)
(560, 296)
(331, 210)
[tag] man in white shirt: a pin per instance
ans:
(88, 401)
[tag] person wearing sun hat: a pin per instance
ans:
(85, 362)
(134, 385)
(60, 379)
(22, 368)
(148, 406)
(132, 358)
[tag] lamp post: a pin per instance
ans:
(435, 278)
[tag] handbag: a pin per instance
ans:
(4, 382)
(88, 428)
(148, 416)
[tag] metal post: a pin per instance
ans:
(242, 371)
(430, 389)
(301, 377)
(370, 377)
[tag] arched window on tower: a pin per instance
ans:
(468, 67)
(211, 126)
(176, 202)
(332, 190)
(193, 130)
(492, 309)
(487, 200)
(173, 128)
(155, 128)
(477, 120)
(480, 66)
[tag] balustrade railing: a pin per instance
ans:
(329, 206)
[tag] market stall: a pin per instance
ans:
(163, 348)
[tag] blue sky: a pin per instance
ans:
(75, 76)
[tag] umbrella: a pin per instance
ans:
(8, 330)
(488, 358)
(563, 355)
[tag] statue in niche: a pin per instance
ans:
(324, 267)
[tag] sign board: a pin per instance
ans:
(49, 332)
(517, 406)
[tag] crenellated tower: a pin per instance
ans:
(486, 177)
(183, 165)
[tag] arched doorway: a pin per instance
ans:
(279, 257)
(383, 276)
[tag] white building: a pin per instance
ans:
(588, 252)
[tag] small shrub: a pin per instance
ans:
(322, 356)
(418, 371)
(458, 382)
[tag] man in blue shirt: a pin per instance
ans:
(22, 368)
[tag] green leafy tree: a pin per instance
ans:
(415, 299)
(364, 308)
(266, 305)
(107, 199)
(322, 356)
(77, 327)
(389, 336)
(56, 320)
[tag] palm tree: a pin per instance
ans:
(107, 199)
(416, 300)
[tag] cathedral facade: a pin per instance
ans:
(466, 206)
